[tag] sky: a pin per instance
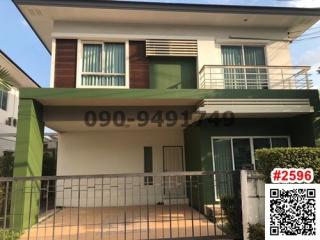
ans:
(19, 42)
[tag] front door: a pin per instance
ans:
(173, 162)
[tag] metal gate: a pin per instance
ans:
(120, 206)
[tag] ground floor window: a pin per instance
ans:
(3, 99)
(235, 153)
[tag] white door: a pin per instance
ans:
(174, 186)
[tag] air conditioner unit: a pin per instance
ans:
(11, 122)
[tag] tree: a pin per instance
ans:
(5, 79)
(6, 165)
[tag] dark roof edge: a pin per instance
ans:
(175, 7)
(20, 69)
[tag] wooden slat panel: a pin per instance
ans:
(65, 63)
(156, 47)
(139, 65)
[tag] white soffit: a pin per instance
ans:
(42, 18)
(256, 106)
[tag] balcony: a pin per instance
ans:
(254, 77)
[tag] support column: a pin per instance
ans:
(316, 129)
(28, 162)
(304, 130)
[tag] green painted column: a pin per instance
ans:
(28, 162)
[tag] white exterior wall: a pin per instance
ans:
(278, 54)
(8, 143)
(209, 53)
(253, 200)
(209, 39)
(111, 152)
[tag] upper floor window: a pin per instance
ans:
(248, 76)
(3, 99)
(103, 65)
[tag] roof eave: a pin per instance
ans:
(185, 7)
(19, 68)
(158, 6)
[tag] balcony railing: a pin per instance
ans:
(254, 77)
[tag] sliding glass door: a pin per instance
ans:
(234, 77)
(236, 153)
(241, 153)
(248, 77)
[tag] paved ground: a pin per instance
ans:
(139, 222)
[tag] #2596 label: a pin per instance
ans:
(292, 175)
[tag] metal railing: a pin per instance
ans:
(123, 206)
(254, 77)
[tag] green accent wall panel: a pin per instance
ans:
(28, 162)
(173, 73)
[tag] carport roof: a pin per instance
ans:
(155, 97)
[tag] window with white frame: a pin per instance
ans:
(3, 99)
(103, 65)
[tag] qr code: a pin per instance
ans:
(291, 211)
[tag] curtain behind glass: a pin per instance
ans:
(256, 77)
(223, 162)
(92, 58)
(234, 78)
(114, 64)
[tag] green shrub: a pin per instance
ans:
(9, 234)
(303, 157)
(6, 165)
(256, 232)
(6, 169)
(230, 206)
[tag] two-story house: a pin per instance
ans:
(9, 101)
(139, 87)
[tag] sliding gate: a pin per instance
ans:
(123, 206)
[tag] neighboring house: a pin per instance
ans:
(9, 102)
(119, 68)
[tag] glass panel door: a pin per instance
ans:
(259, 143)
(256, 77)
(280, 142)
(244, 78)
(234, 78)
(222, 153)
(242, 153)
